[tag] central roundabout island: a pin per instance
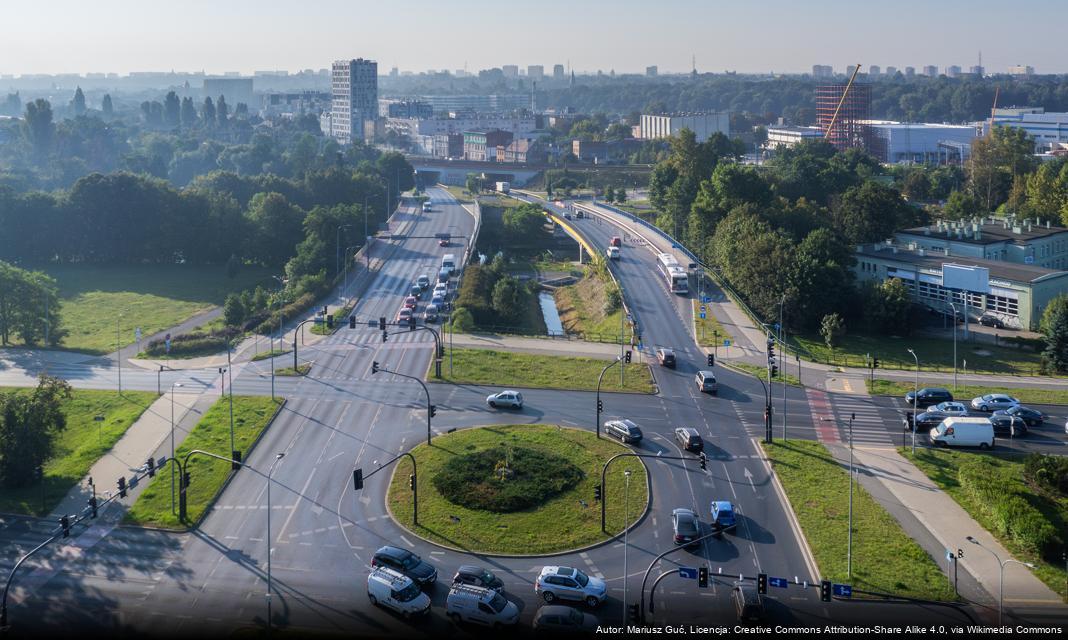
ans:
(518, 489)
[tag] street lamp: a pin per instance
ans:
(118, 349)
(849, 543)
(337, 252)
(1001, 583)
(915, 399)
(954, 307)
(269, 472)
(782, 345)
(173, 385)
(626, 530)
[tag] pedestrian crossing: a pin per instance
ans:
(870, 428)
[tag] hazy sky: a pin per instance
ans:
(65, 36)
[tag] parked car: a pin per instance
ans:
(748, 604)
(991, 321)
(1031, 417)
(566, 583)
(507, 398)
(706, 382)
(723, 517)
(949, 408)
(928, 396)
(685, 525)
(407, 563)
(612, 253)
(624, 429)
(963, 432)
(404, 314)
(553, 619)
(666, 357)
(423, 281)
(993, 402)
(394, 590)
(477, 576)
(689, 439)
(468, 603)
(1006, 426)
(430, 313)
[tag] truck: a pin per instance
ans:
(504, 187)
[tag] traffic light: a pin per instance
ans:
(626, 357)
(825, 590)
(352, 322)
(382, 323)
(357, 479)
(597, 492)
(186, 479)
(771, 349)
(711, 360)
(64, 522)
(411, 481)
(411, 322)
(92, 505)
(600, 405)
(385, 335)
(235, 459)
(762, 583)
(433, 410)
(774, 371)
(151, 464)
(329, 322)
(704, 461)
(374, 367)
(122, 487)
(875, 363)
(633, 614)
(702, 577)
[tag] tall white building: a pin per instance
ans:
(702, 124)
(931, 71)
(353, 100)
(535, 71)
(558, 72)
(953, 71)
(510, 70)
(1021, 70)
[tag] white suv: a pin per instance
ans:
(394, 590)
(480, 605)
(566, 583)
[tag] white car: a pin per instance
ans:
(612, 253)
(993, 402)
(566, 583)
(949, 408)
(468, 603)
(394, 590)
(506, 398)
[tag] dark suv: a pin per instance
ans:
(928, 396)
(689, 439)
(1008, 427)
(666, 357)
(407, 563)
(926, 421)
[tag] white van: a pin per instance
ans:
(426, 207)
(393, 590)
(963, 432)
(449, 262)
(480, 605)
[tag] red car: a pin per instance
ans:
(404, 314)
(411, 302)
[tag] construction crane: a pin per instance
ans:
(993, 110)
(841, 101)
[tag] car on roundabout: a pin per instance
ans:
(685, 526)
(950, 408)
(505, 399)
(567, 583)
(472, 574)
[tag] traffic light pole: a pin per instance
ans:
(604, 473)
(673, 549)
(429, 407)
(439, 350)
(597, 421)
(652, 589)
(415, 482)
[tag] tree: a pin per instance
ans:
(1054, 326)
(38, 127)
(207, 112)
(188, 113)
(106, 107)
(996, 161)
(621, 195)
(27, 298)
(78, 103)
(397, 171)
(234, 310)
(962, 205)
(462, 320)
(222, 111)
(917, 185)
(522, 224)
(832, 328)
(1047, 191)
(609, 194)
(886, 308)
(508, 299)
(29, 425)
(276, 226)
(871, 213)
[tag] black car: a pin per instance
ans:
(925, 421)
(1006, 427)
(929, 396)
(407, 563)
(690, 439)
(479, 577)
(991, 321)
(1030, 417)
(666, 357)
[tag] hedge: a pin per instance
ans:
(1013, 515)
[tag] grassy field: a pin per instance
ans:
(97, 299)
(885, 559)
(264, 355)
(709, 331)
(967, 392)
(568, 520)
(942, 466)
(763, 373)
(207, 475)
(78, 446)
(459, 193)
(581, 308)
(936, 354)
(505, 368)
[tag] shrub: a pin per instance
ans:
(1050, 472)
(505, 479)
(1013, 515)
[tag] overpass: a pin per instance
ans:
(454, 172)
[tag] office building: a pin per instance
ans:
(910, 72)
(535, 72)
(1049, 130)
(891, 72)
(354, 100)
(922, 143)
(931, 71)
(510, 71)
(651, 71)
(822, 71)
(558, 72)
(668, 125)
(1021, 70)
(447, 145)
(1035, 242)
(785, 136)
(953, 71)
(481, 146)
(977, 71)
(235, 90)
(874, 71)
(391, 108)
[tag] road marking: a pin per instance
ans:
(407, 542)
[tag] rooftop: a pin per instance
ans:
(1012, 271)
(986, 231)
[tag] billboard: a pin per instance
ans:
(964, 278)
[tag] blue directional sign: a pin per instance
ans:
(778, 582)
(726, 342)
(690, 573)
(776, 326)
(706, 299)
(842, 590)
(703, 315)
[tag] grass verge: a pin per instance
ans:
(567, 520)
(943, 468)
(506, 368)
(207, 475)
(763, 373)
(78, 446)
(153, 297)
(270, 354)
(1026, 395)
(709, 331)
(301, 370)
(885, 559)
(581, 307)
(460, 193)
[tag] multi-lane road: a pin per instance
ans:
(213, 580)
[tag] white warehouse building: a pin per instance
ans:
(921, 142)
(702, 124)
(1049, 130)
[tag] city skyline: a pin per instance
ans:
(777, 37)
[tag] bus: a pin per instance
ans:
(677, 280)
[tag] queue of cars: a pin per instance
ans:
(437, 297)
(952, 423)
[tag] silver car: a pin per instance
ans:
(993, 402)
(949, 408)
(506, 398)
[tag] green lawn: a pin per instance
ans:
(270, 354)
(207, 475)
(943, 466)
(967, 392)
(561, 522)
(506, 368)
(935, 354)
(885, 559)
(78, 446)
(763, 373)
(301, 370)
(709, 331)
(581, 308)
(97, 299)
(460, 193)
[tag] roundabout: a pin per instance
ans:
(518, 490)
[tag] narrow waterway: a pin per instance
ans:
(553, 324)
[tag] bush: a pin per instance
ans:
(462, 320)
(613, 299)
(1012, 513)
(1049, 472)
(195, 342)
(505, 479)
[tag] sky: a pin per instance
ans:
(74, 36)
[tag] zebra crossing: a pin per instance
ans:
(870, 427)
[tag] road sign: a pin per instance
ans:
(726, 343)
(703, 309)
(690, 573)
(1029, 259)
(778, 582)
(137, 333)
(706, 299)
(703, 315)
(842, 590)
(776, 326)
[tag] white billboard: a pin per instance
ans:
(964, 278)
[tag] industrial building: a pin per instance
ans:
(1033, 242)
(921, 143)
(354, 100)
(786, 136)
(1047, 129)
(668, 125)
(235, 90)
(392, 108)
(849, 117)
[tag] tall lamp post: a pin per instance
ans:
(173, 385)
(782, 345)
(269, 473)
(337, 243)
(626, 530)
(954, 307)
(1001, 582)
(118, 349)
(915, 399)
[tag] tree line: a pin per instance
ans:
(29, 307)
